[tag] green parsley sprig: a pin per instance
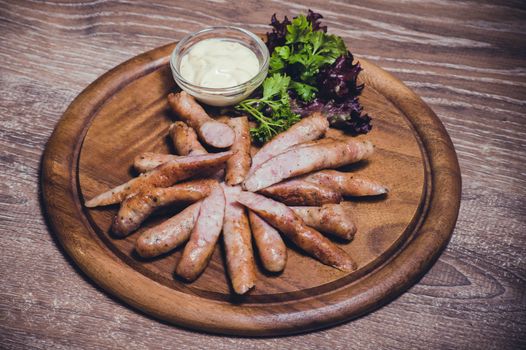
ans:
(272, 111)
(293, 66)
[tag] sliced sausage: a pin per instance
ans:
(204, 236)
(186, 144)
(238, 165)
(300, 192)
(347, 183)
(238, 243)
(135, 209)
(169, 234)
(210, 131)
(185, 140)
(164, 175)
(271, 248)
(287, 222)
(148, 161)
(300, 160)
(330, 218)
(310, 128)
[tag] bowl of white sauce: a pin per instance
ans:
(220, 66)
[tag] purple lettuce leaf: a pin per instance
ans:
(346, 115)
(279, 31)
(339, 80)
(338, 90)
(314, 19)
(337, 98)
(276, 37)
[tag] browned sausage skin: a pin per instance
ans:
(299, 192)
(135, 209)
(210, 131)
(310, 128)
(303, 159)
(347, 183)
(330, 218)
(238, 165)
(185, 140)
(164, 175)
(204, 236)
(148, 161)
(271, 248)
(238, 243)
(169, 234)
(287, 222)
(185, 143)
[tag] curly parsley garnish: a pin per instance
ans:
(309, 71)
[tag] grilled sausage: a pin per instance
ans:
(238, 165)
(238, 243)
(164, 175)
(204, 236)
(330, 218)
(304, 159)
(346, 183)
(185, 140)
(210, 131)
(186, 144)
(300, 192)
(148, 161)
(135, 209)
(310, 128)
(169, 234)
(271, 248)
(287, 222)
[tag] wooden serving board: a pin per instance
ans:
(399, 236)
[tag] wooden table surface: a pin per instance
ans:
(467, 59)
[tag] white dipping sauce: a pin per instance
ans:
(218, 63)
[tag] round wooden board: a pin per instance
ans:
(399, 236)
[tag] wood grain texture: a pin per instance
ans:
(125, 112)
(465, 58)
